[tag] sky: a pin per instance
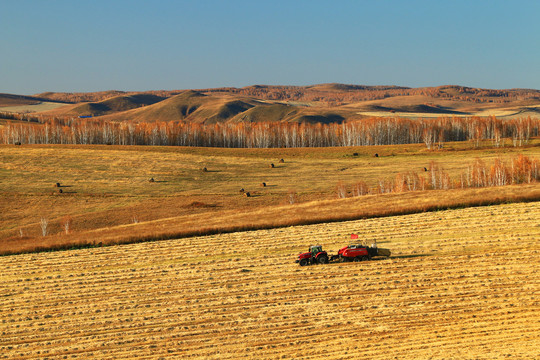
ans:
(135, 45)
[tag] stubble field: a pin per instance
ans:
(460, 284)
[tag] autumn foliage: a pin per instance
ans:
(520, 170)
(371, 131)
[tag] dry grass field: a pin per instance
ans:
(107, 193)
(106, 189)
(30, 108)
(461, 284)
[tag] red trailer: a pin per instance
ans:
(361, 253)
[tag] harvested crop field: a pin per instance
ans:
(30, 108)
(460, 284)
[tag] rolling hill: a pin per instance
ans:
(16, 100)
(188, 106)
(109, 106)
(322, 103)
(10, 103)
(197, 107)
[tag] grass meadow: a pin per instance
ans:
(107, 196)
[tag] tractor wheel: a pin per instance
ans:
(365, 258)
(323, 259)
(303, 262)
(358, 259)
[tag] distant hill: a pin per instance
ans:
(343, 93)
(194, 106)
(82, 97)
(324, 92)
(321, 103)
(8, 100)
(347, 87)
(179, 107)
(114, 105)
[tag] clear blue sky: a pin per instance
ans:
(92, 45)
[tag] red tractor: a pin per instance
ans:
(315, 255)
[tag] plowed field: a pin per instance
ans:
(460, 284)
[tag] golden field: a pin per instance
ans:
(460, 284)
(109, 199)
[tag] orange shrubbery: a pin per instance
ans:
(520, 170)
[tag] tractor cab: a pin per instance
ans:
(315, 249)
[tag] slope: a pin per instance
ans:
(17, 100)
(190, 104)
(323, 103)
(196, 107)
(24, 104)
(108, 106)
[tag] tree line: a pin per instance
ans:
(519, 170)
(341, 93)
(371, 131)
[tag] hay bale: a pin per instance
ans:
(376, 155)
(281, 161)
(355, 154)
(271, 166)
(151, 180)
(263, 184)
(57, 185)
(18, 143)
(242, 190)
(247, 194)
(204, 169)
(60, 191)
(425, 169)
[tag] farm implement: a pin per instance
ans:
(359, 252)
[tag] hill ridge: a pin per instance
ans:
(329, 102)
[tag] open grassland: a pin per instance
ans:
(29, 108)
(460, 284)
(107, 194)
